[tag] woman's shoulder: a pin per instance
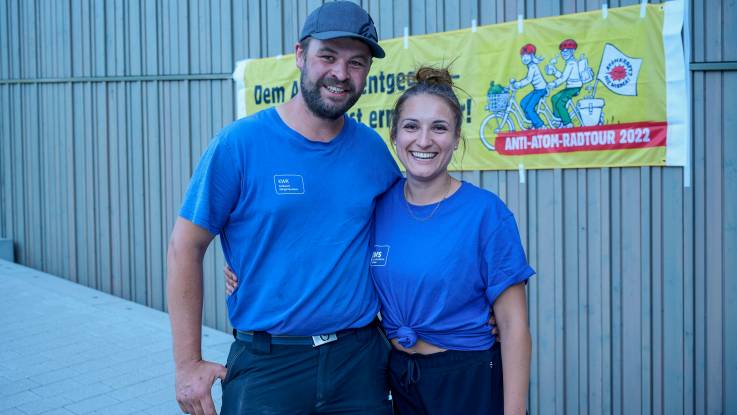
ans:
(484, 201)
(480, 195)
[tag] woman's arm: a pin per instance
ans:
(510, 310)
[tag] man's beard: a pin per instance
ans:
(319, 106)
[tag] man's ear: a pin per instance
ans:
(299, 55)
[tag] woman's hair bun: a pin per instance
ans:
(434, 76)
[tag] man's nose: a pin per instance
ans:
(340, 71)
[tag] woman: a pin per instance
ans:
(444, 253)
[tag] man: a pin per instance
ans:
(570, 76)
(291, 192)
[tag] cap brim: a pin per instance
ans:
(376, 50)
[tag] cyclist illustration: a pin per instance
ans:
(571, 76)
(533, 112)
(534, 77)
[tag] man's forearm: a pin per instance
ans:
(184, 290)
(516, 349)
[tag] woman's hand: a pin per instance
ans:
(231, 281)
(494, 329)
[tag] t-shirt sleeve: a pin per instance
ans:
(505, 260)
(214, 188)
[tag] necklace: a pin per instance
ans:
(434, 209)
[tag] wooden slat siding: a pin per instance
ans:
(592, 241)
(544, 287)
(630, 256)
(713, 236)
(260, 20)
(729, 151)
(5, 169)
(155, 226)
(699, 183)
(673, 295)
(382, 14)
(569, 279)
(615, 259)
(580, 298)
(644, 348)
(254, 27)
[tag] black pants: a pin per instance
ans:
(447, 383)
(347, 376)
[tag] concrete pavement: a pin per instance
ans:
(68, 349)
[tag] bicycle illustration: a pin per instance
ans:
(507, 115)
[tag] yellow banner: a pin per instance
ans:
(603, 88)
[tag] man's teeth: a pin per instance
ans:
(423, 155)
(334, 89)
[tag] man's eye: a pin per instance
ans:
(357, 64)
(327, 58)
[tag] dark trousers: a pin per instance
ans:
(447, 383)
(347, 376)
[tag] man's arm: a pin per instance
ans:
(194, 376)
(510, 310)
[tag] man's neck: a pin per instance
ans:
(300, 119)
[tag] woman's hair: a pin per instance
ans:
(431, 81)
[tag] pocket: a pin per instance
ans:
(384, 340)
(236, 351)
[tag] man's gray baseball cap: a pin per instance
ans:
(342, 19)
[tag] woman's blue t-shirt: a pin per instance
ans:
(437, 278)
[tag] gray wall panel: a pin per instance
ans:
(633, 310)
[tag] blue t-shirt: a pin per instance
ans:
(438, 278)
(294, 218)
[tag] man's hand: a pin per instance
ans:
(193, 384)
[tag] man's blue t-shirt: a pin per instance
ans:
(294, 217)
(437, 278)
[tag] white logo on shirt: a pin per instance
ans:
(380, 255)
(289, 184)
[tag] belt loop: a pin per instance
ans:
(261, 342)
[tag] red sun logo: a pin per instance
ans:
(618, 73)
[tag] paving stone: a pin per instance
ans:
(43, 405)
(92, 404)
(133, 406)
(59, 411)
(13, 411)
(18, 399)
(11, 387)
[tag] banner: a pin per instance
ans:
(599, 89)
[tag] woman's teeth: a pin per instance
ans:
(423, 155)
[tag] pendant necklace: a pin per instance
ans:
(435, 209)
